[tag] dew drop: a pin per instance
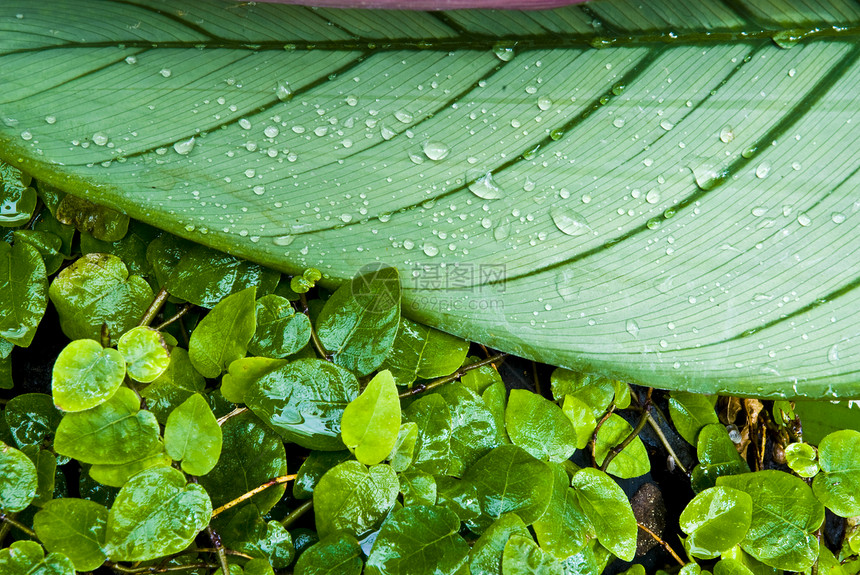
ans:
(245, 124)
(403, 116)
(100, 139)
(386, 132)
(259, 190)
(486, 223)
(544, 103)
(131, 60)
(796, 166)
(759, 211)
(50, 119)
(283, 91)
(792, 72)
(618, 122)
(762, 170)
(652, 197)
(569, 222)
(504, 51)
(727, 134)
(666, 125)
(436, 150)
(28, 135)
(165, 72)
(321, 131)
(632, 327)
(283, 240)
(833, 354)
(502, 231)
(565, 286)
(271, 131)
(482, 185)
(351, 101)
(430, 250)
(184, 147)
(837, 217)
(803, 219)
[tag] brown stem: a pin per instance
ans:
(220, 421)
(643, 420)
(665, 442)
(154, 307)
(185, 309)
(665, 545)
(245, 496)
(297, 512)
(593, 440)
(449, 378)
(219, 549)
(12, 522)
(315, 339)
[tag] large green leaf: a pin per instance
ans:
(662, 195)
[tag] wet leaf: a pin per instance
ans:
(313, 468)
(46, 473)
(595, 392)
(115, 432)
(86, 375)
(371, 421)
(403, 452)
(353, 498)
(718, 456)
(461, 497)
(17, 198)
(32, 419)
(485, 557)
(256, 456)
(47, 244)
(690, 413)
(96, 289)
(509, 480)
(418, 539)
(75, 528)
(223, 335)
(473, 427)
(145, 352)
(100, 221)
(716, 520)
(433, 418)
(838, 485)
(280, 330)
(131, 249)
(192, 436)
(606, 506)
(582, 418)
(18, 479)
(421, 352)
(27, 557)
(23, 292)
(632, 461)
(801, 458)
(176, 384)
(418, 488)
(358, 323)
(117, 475)
(304, 402)
(155, 514)
(248, 533)
(243, 373)
(539, 426)
(338, 554)
(522, 556)
(563, 529)
(785, 515)
(731, 567)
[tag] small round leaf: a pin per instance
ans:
(18, 479)
(86, 375)
(192, 436)
(838, 486)
(75, 528)
(353, 498)
(145, 353)
(716, 519)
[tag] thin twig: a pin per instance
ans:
(449, 378)
(297, 512)
(123, 569)
(615, 450)
(272, 482)
(220, 421)
(154, 307)
(213, 550)
(219, 549)
(665, 545)
(10, 521)
(656, 428)
(315, 339)
(593, 440)
(183, 310)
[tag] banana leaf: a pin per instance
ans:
(657, 191)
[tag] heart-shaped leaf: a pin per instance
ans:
(371, 421)
(580, 193)
(75, 528)
(86, 375)
(192, 436)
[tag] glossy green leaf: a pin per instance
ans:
(6, 372)
(711, 166)
(821, 418)
(632, 461)
(606, 506)
(433, 445)
(418, 539)
(509, 480)
(635, 570)
(421, 352)
(403, 452)
(116, 475)
(718, 456)
(539, 426)
(418, 488)
(223, 335)
(86, 375)
(131, 249)
(691, 569)
(473, 427)
(838, 486)
(371, 422)
(192, 436)
(690, 413)
(203, 276)
(248, 533)
(155, 514)
(242, 373)
(595, 392)
(47, 244)
(28, 558)
(522, 556)
(17, 198)
(563, 529)
(353, 498)
(75, 528)
(23, 292)
(96, 289)
(481, 378)
(32, 419)
(280, 330)
(731, 567)
(338, 554)
(100, 221)
(359, 322)
(46, 473)
(304, 402)
(258, 567)
(461, 497)
(586, 561)
(145, 352)
(801, 458)
(485, 558)
(256, 456)
(582, 418)
(115, 432)
(496, 400)
(785, 515)
(313, 468)
(176, 384)
(18, 480)
(716, 520)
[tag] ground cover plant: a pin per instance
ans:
(655, 195)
